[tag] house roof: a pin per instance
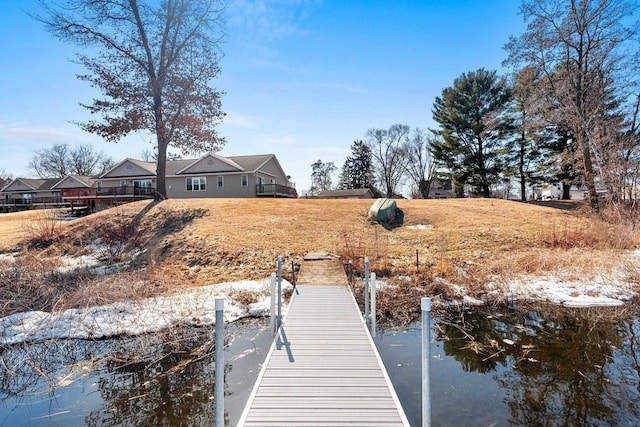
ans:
(236, 164)
(147, 166)
(175, 166)
(48, 184)
(246, 164)
(229, 165)
(356, 192)
(85, 181)
(251, 163)
(33, 183)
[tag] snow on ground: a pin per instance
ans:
(137, 317)
(595, 293)
(420, 227)
(197, 307)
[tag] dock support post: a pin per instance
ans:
(272, 320)
(373, 305)
(293, 273)
(366, 289)
(279, 292)
(219, 368)
(426, 362)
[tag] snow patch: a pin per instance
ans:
(596, 293)
(196, 307)
(420, 227)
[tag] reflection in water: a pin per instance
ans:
(170, 381)
(569, 370)
(489, 368)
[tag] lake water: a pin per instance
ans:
(58, 385)
(497, 368)
(507, 368)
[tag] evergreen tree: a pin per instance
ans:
(473, 129)
(357, 170)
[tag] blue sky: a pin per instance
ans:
(303, 79)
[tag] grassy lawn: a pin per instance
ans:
(467, 241)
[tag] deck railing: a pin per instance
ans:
(31, 201)
(108, 191)
(275, 190)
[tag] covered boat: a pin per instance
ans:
(383, 210)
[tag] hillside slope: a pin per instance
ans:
(468, 242)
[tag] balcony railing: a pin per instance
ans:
(108, 191)
(32, 201)
(275, 190)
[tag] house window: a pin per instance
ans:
(220, 181)
(245, 180)
(123, 183)
(99, 185)
(145, 183)
(196, 184)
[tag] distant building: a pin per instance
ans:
(441, 190)
(554, 191)
(356, 193)
(26, 193)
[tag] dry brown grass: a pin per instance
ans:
(473, 241)
(13, 225)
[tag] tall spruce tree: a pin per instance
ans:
(473, 129)
(357, 170)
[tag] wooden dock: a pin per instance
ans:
(323, 369)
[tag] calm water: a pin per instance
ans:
(503, 369)
(488, 369)
(60, 386)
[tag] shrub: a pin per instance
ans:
(43, 230)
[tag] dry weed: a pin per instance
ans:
(366, 240)
(593, 234)
(42, 230)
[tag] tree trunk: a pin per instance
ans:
(161, 170)
(486, 192)
(523, 183)
(161, 136)
(566, 190)
(588, 171)
(424, 187)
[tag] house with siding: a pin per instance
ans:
(209, 176)
(27, 193)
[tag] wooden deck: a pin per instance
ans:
(323, 369)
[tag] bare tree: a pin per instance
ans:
(321, 176)
(86, 161)
(580, 47)
(420, 164)
(154, 63)
(387, 149)
(5, 178)
(51, 162)
(62, 160)
(152, 155)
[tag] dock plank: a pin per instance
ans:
(323, 369)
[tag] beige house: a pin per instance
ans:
(27, 193)
(209, 176)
